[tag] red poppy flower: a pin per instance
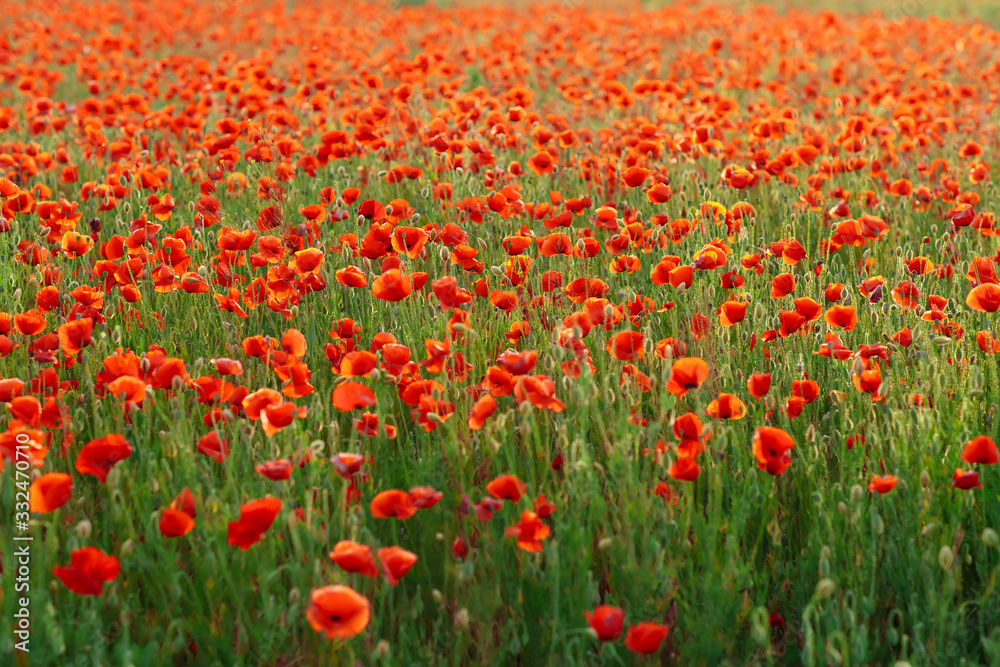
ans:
(646, 637)
(506, 487)
(770, 448)
(338, 612)
(353, 395)
(966, 479)
(392, 504)
(214, 446)
(606, 621)
(351, 556)
(981, 449)
(530, 532)
(255, 519)
(727, 406)
(686, 374)
(882, 484)
(99, 456)
(276, 470)
(88, 571)
(50, 492)
(396, 562)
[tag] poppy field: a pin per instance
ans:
(569, 333)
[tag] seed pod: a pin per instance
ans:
(946, 557)
(825, 588)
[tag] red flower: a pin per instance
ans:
(606, 621)
(396, 562)
(529, 532)
(392, 504)
(50, 492)
(89, 568)
(255, 519)
(646, 637)
(770, 448)
(981, 449)
(99, 456)
(506, 487)
(338, 612)
(214, 446)
(351, 556)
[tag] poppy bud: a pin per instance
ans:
(990, 538)
(381, 650)
(759, 633)
(946, 557)
(461, 620)
(825, 588)
(83, 530)
(857, 493)
(128, 547)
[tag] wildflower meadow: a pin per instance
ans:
(566, 333)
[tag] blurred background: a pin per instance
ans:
(986, 10)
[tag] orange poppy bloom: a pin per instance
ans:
(727, 406)
(782, 285)
(882, 484)
(626, 345)
(530, 532)
(338, 612)
(845, 317)
(506, 487)
(985, 298)
(392, 504)
(393, 285)
(353, 557)
(396, 562)
(350, 396)
(482, 410)
(686, 374)
(50, 492)
(732, 312)
(30, 323)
